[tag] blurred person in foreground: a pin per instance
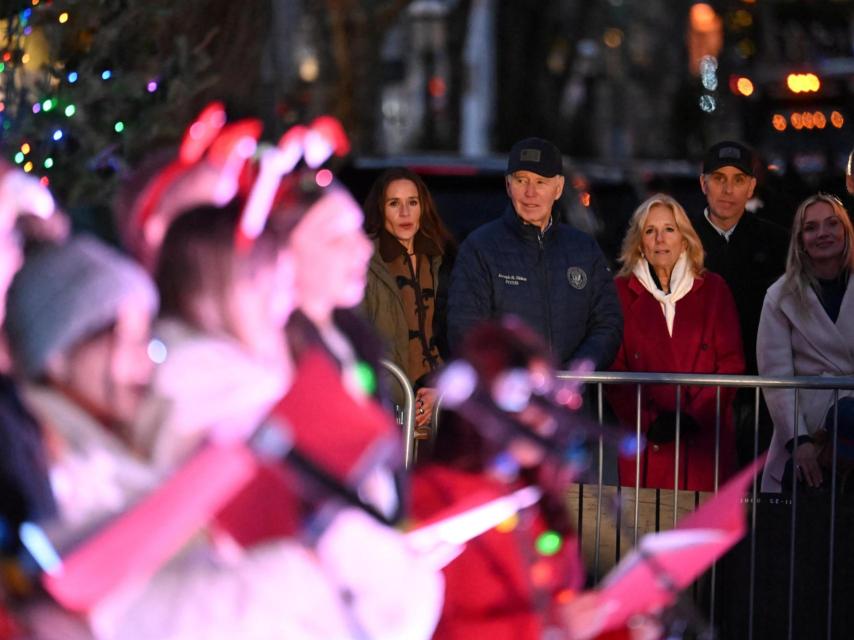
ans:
(806, 330)
(78, 320)
(510, 581)
(224, 361)
(749, 253)
(679, 318)
(331, 254)
(529, 264)
(24, 489)
(406, 294)
(522, 579)
(206, 168)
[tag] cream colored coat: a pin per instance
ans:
(798, 341)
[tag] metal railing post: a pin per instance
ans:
(408, 411)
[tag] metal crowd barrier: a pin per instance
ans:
(406, 415)
(751, 605)
(735, 596)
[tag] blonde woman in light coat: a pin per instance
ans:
(806, 329)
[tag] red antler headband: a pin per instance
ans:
(315, 144)
(208, 137)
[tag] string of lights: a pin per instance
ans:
(85, 88)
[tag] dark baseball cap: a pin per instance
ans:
(537, 156)
(728, 154)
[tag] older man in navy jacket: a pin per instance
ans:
(526, 263)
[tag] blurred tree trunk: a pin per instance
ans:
(357, 29)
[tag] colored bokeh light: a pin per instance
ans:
(548, 543)
(509, 524)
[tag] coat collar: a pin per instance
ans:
(637, 288)
(390, 248)
(378, 267)
(527, 232)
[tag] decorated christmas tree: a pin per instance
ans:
(89, 86)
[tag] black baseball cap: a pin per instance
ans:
(728, 154)
(537, 156)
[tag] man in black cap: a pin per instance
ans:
(748, 252)
(526, 263)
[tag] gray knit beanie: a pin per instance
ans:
(64, 294)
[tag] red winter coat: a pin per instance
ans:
(706, 339)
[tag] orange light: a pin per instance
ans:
(803, 82)
(542, 574)
(25, 148)
(613, 38)
(806, 118)
(702, 17)
(437, 86)
(778, 121)
(508, 525)
(796, 121)
(819, 120)
(584, 198)
(837, 120)
(744, 86)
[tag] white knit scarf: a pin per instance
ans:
(681, 281)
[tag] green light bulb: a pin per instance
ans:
(366, 378)
(548, 543)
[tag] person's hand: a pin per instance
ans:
(807, 469)
(425, 400)
(584, 617)
(381, 574)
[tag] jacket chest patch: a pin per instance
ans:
(512, 279)
(577, 277)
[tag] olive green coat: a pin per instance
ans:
(383, 308)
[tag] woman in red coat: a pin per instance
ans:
(678, 318)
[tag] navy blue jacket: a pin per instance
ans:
(558, 282)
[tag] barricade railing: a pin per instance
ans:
(764, 623)
(747, 610)
(406, 417)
